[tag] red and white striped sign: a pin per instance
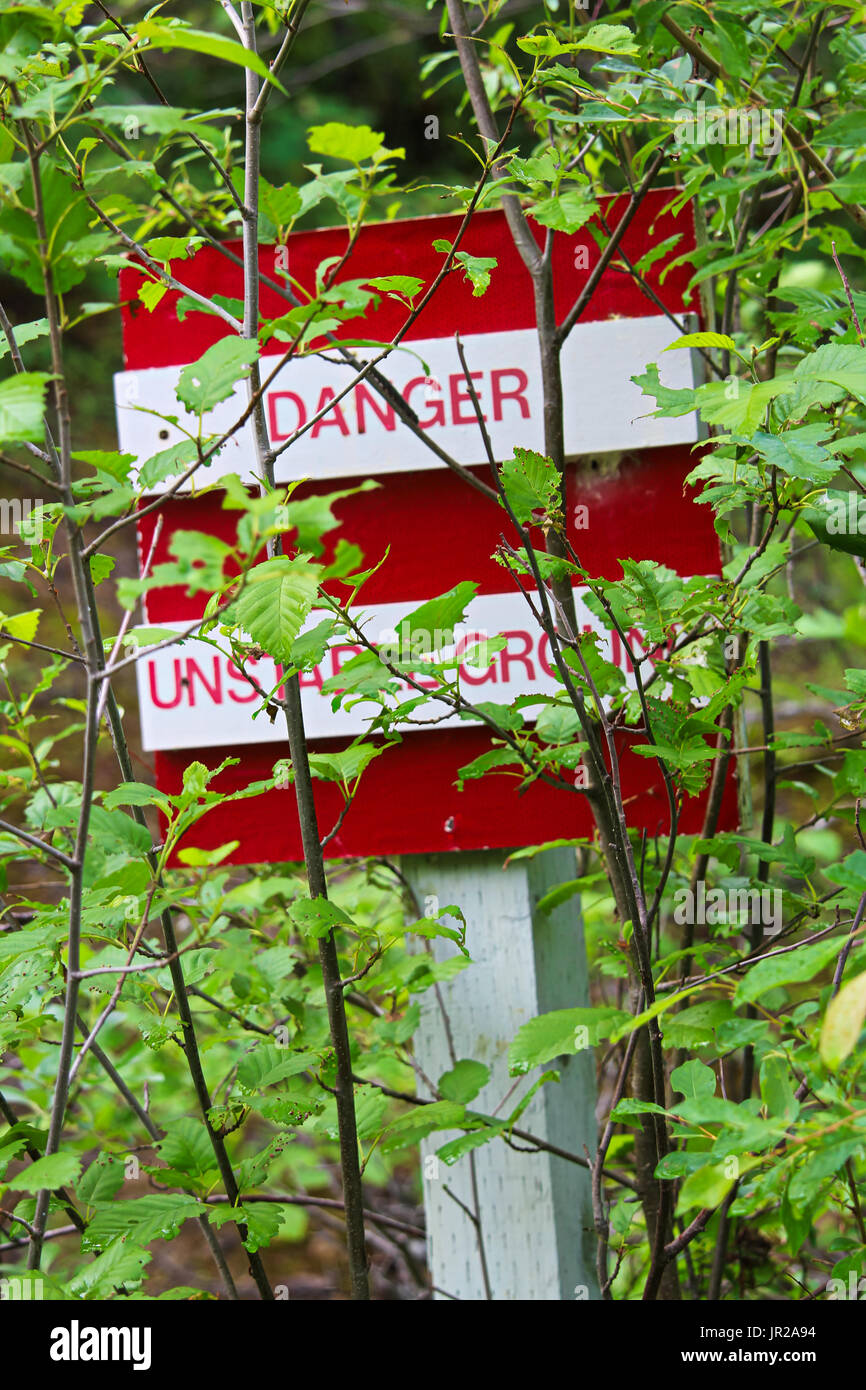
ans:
(627, 481)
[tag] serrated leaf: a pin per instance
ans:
(142, 1219)
(556, 1034)
(274, 603)
(599, 38)
(203, 384)
(24, 332)
(531, 483)
(567, 212)
(57, 1170)
(318, 916)
(22, 407)
(281, 205)
(795, 967)
(119, 1265)
(266, 1064)
(187, 1148)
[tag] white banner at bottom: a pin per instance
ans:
(193, 696)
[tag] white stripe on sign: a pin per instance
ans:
(604, 411)
(193, 696)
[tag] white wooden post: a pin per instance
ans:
(535, 1208)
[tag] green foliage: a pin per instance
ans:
(755, 1005)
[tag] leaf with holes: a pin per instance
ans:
(203, 384)
(531, 484)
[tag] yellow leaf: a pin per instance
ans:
(22, 625)
(843, 1022)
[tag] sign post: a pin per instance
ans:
(530, 1211)
(533, 1210)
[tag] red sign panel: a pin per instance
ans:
(626, 499)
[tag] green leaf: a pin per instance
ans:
(557, 724)
(101, 567)
(57, 1170)
(777, 1092)
(794, 968)
(630, 1106)
(475, 1139)
(490, 761)
(318, 916)
(266, 1064)
(22, 407)
(531, 483)
(476, 268)
(24, 332)
(187, 305)
(799, 453)
(163, 36)
(151, 293)
(23, 625)
(187, 1148)
(344, 765)
(820, 1166)
(797, 1224)
(406, 286)
(421, 1121)
(464, 1081)
(843, 1022)
(694, 1080)
(431, 627)
(172, 248)
(263, 1221)
(141, 1220)
(837, 521)
(567, 212)
(698, 340)
(671, 403)
(274, 603)
(203, 384)
(740, 406)
(135, 794)
(121, 1264)
(281, 205)
(599, 38)
(352, 143)
(102, 1178)
(560, 1033)
(707, 1187)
